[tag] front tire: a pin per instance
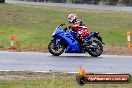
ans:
(56, 50)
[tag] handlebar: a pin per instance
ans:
(62, 24)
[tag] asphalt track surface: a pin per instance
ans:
(82, 6)
(45, 62)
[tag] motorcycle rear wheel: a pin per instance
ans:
(95, 52)
(56, 50)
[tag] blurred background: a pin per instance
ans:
(93, 2)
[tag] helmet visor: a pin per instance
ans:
(69, 19)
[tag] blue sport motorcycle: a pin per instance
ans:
(65, 40)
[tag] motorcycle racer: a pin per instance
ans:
(78, 26)
(64, 40)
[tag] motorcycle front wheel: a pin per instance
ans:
(95, 52)
(56, 50)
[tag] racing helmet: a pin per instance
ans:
(71, 17)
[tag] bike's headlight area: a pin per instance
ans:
(53, 34)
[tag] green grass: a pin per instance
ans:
(58, 83)
(33, 25)
(60, 80)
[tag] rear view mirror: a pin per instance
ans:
(62, 24)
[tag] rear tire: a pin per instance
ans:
(98, 51)
(56, 50)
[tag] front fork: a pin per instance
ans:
(56, 40)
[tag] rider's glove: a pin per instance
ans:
(69, 27)
(65, 28)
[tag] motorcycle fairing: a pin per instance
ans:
(71, 42)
